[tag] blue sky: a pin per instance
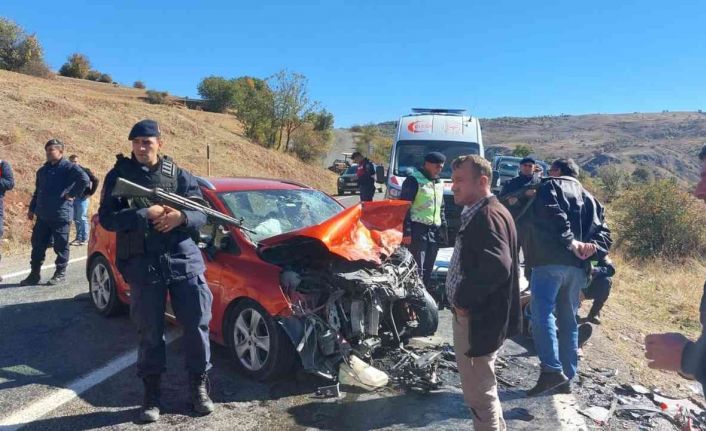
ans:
(374, 60)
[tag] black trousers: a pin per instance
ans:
(424, 253)
(598, 290)
(45, 231)
(367, 192)
(191, 300)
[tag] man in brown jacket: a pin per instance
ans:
(484, 288)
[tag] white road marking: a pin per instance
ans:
(27, 271)
(42, 406)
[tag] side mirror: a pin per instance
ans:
(205, 240)
(380, 174)
(496, 179)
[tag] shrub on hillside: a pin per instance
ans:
(139, 84)
(309, 145)
(660, 220)
(20, 52)
(93, 75)
(157, 97)
(104, 77)
(613, 180)
(76, 66)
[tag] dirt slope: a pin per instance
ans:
(94, 120)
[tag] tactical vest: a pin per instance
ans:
(131, 243)
(426, 207)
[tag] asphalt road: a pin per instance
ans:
(64, 367)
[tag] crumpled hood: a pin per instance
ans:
(362, 232)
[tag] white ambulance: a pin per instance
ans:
(448, 131)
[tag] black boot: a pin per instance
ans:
(585, 330)
(149, 411)
(198, 391)
(33, 277)
(58, 277)
(547, 381)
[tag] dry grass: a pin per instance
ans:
(94, 120)
(647, 297)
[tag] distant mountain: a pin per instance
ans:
(667, 142)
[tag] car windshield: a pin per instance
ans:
(351, 170)
(272, 212)
(509, 167)
(410, 154)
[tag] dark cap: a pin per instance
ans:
(53, 142)
(144, 128)
(527, 160)
(435, 157)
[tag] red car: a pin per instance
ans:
(306, 278)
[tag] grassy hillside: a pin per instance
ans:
(94, 120)
(667, 141)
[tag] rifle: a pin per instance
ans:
(127, 189)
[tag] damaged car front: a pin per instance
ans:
(352, 289)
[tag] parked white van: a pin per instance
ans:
(448, 131)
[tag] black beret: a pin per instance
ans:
(435, 157)
(144, 128)
(527, 160)
(53, 142)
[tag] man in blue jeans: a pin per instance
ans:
(81, 205)
(557, 257)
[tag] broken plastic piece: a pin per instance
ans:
(357, 373)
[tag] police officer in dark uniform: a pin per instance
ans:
(58, 183)
(525, 178)
(7, 182)
(155, 255)
(366, 176)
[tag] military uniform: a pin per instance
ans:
(154, 264)
(7, 182)
(425, 222)
(56, 184)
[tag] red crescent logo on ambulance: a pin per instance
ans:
(419, 127)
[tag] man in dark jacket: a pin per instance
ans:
(81, 204)
(425, 223)
(525, 178)
(155, 254)
(58, 183)
(7, 182)
(673, 351)
(365, 175)
(483, 286)
(556, 253)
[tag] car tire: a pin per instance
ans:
(273, 356)
(427, 315)
(341, 192)
(102, 288)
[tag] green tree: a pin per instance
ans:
(104, 77)
(522, 150)
(373, 143)
(93, 75)
(218, 92)
(139, 84)
(291, 105)
(20, 52)
(76, 66)
(253, 103)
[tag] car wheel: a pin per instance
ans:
(102, 288)
(341, 192)
(258, 345)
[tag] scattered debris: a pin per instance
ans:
(518, 413)
(598, 414)
(356, 372)
(332, 391)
